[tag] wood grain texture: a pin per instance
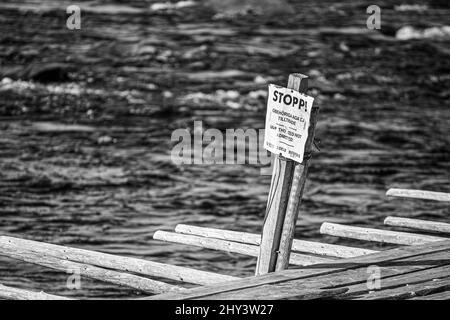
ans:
(419, 194)
(425, 225)
(399, 280)
(445, 295)
(34, 254)
(10, 293)
(231, 246)
(317, 248)
(388, 256)
(114, 262)
(276, 209)
(295, 196)
(346, 278)
(376, 235)
(409, 291)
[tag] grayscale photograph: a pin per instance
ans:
(243, 151)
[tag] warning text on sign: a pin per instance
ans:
(287, 122)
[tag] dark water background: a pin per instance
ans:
(85, 158)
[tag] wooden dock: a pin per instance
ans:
(421, 271)
(418, 268)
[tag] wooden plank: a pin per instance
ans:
(301, 294)
(297, 187)
(317, 248)
(354, 277)
(445, 295)
(406, 292)
(10, 293)
(418, 194)
(376, 235)
(110, 276)
(127, 264)
(344, 278)
(277, 202)
(310, 271)
(230, 246)
(418, 224)
(410, 278)
(276, 208)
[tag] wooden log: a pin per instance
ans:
(392, 273)
(345, 278)
(231, 246)
(10, 293)
(419, 194)
(317, 248)
(445, 295)
(277, 203)
(310, 272)
(276, 209)
(39, 257)
(409, 291)
(128, 264)
(420, 276)
(425, 225)
(297, 185)
(299, 294)
(376, 235)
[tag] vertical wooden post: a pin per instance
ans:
(278, 200)
(295, 197)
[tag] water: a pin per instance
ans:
(85, 162)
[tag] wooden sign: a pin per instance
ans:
(287, 122)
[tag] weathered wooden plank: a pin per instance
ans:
(230, 246)
(445, 295)
(419, 194)
(110, 276)
(128, 264)
(10, 293)
(354, 277)
(410, 278)
(277, 201)
(406, 292)
(376, 235)
(418, 224)
(300, 294)
(310, 271)
(344, 278)
(276, 209)
(317, 248)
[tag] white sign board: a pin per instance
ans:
(287, 122)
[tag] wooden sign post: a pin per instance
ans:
(286, 189)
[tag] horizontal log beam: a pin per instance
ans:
(10, 293)
(128, 264)
(33, 255)
(419, 194)
(231, 246)
(376, 235)
(418, 224)
(317, 248)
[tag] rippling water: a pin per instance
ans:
(85, 160)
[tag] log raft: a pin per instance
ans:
(418, 269)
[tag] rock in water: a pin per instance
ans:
(260, 7)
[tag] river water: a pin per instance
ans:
(86, 119)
